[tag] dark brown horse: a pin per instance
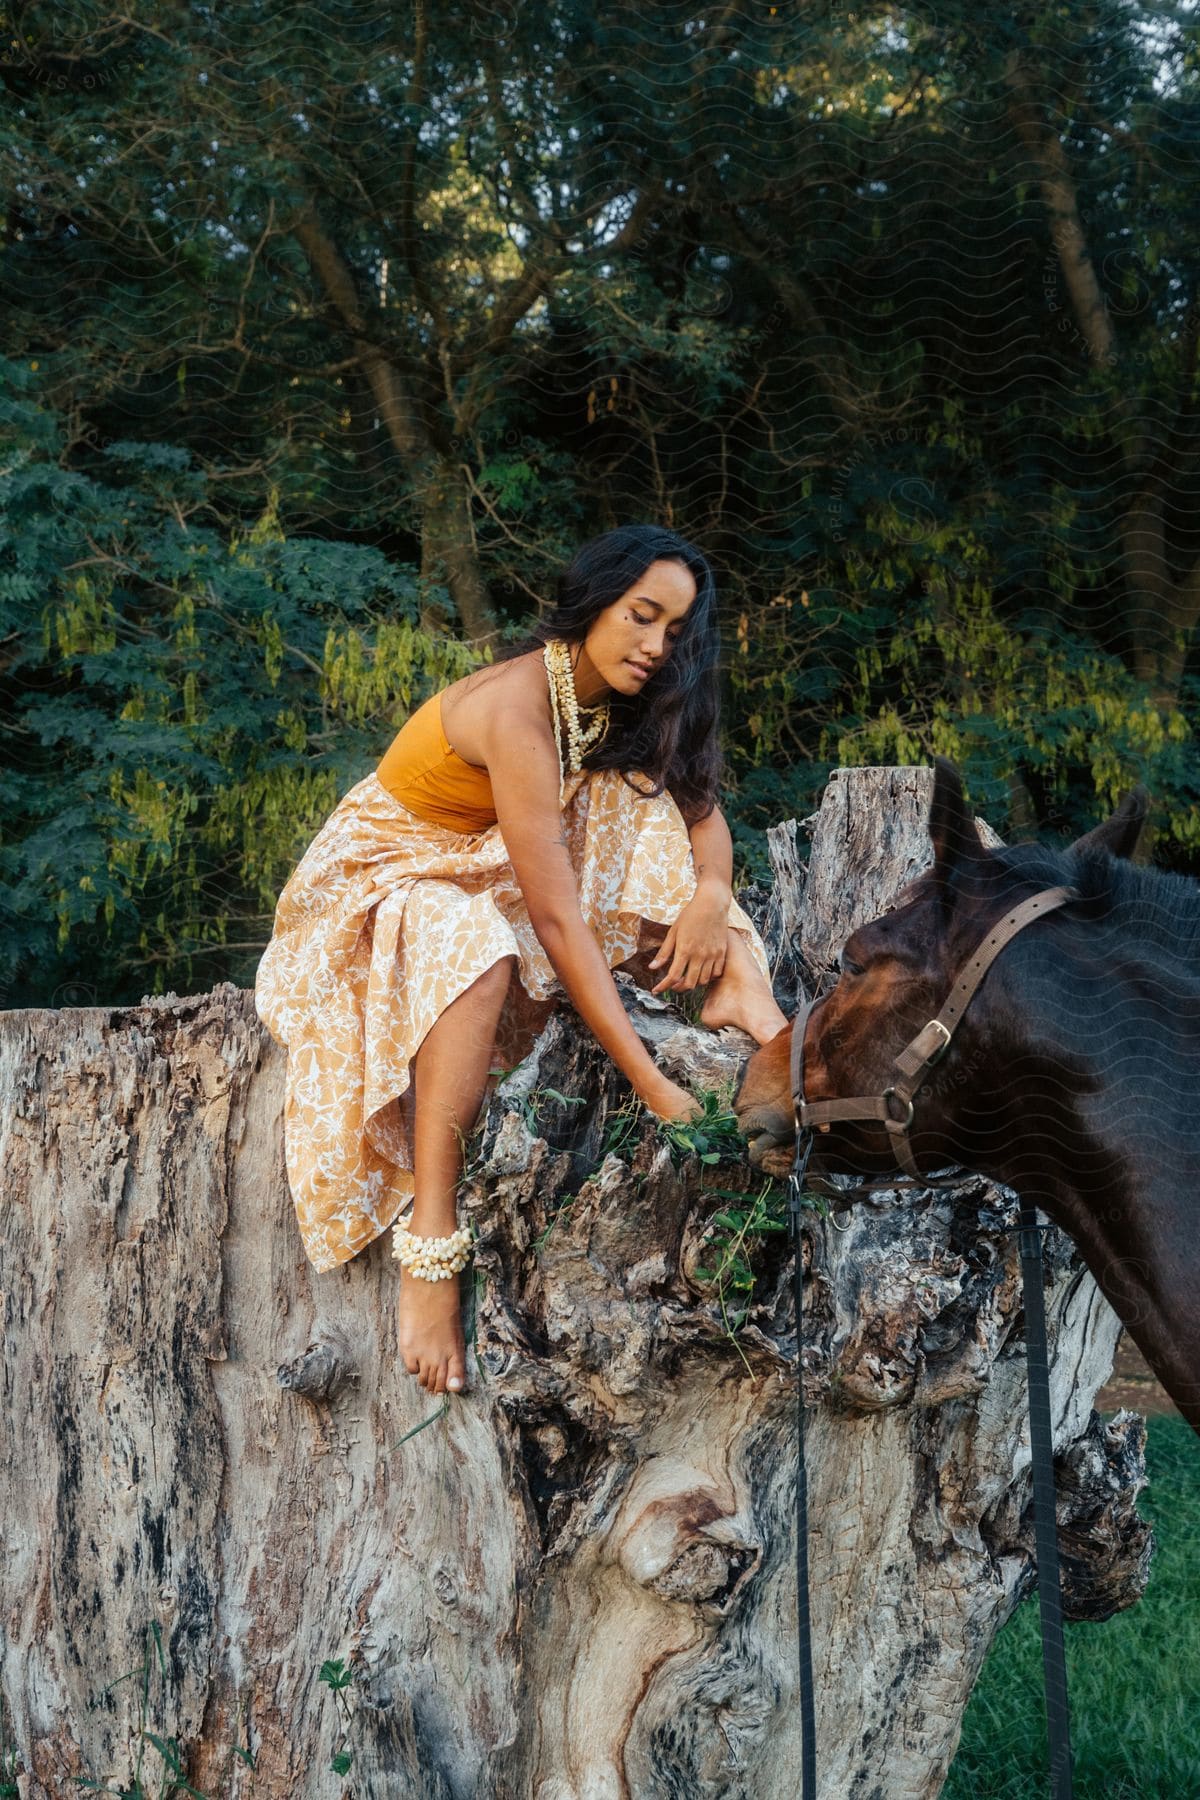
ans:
(1073, 1076)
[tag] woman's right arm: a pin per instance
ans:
(523, 766)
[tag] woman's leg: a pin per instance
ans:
(741, 995)
(450, 1072)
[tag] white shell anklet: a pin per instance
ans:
(431, 1258)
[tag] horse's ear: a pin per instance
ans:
(951, 827)
(1119, 833)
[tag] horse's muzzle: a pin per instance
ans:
(767, 1141)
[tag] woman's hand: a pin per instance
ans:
(695, 944)
(670, 1101)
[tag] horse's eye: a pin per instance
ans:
(849, 967)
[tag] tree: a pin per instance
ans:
(1155, 438)
(465, 291)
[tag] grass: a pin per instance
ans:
(1134, 1681)
(730, 1235)
(161, 1782)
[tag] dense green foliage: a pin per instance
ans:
(323, 358)
(1135, 1732)
(189, 702)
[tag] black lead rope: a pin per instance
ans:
(1041, 1444)
(808, 1711)
(1041, 1450)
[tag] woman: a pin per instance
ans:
(500, 834)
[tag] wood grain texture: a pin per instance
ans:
(578, 1584)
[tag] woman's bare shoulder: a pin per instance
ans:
(470, 706)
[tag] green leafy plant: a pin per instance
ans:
(622, 1126)
(530, 1103)
(338, 1677)
(733, 1233)
(713, 1137)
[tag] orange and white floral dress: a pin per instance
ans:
(395, 908)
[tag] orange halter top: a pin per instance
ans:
(423, 772)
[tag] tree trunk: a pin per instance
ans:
(448, 550)
(1163, 611)
(448, 547)
(579, 1582)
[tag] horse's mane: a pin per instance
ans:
(1155, 907)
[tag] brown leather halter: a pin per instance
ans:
(918, 1056)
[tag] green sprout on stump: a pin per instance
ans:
(170, 1778)
(733, 1234)
(338, 1677)
(621, 1128)
(713, 1137)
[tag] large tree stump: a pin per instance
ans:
(578, 1583)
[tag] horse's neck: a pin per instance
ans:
(1141, 1242)
(1107, 1077)
(1111, 1152)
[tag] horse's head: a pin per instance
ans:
(895, 972)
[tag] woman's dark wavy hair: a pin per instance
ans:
(668, 730)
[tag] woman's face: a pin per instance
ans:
(636, 632)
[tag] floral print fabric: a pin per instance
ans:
(386, 919)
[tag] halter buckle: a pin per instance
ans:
(936, 1054)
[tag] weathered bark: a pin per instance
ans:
(578, 1583)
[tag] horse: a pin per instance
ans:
(1072, 1077)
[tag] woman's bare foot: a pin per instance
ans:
(431, 1341)
(742, 996)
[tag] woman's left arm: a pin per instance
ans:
(695, 943)
(712, 854)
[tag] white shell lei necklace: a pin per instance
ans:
(566, 709)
